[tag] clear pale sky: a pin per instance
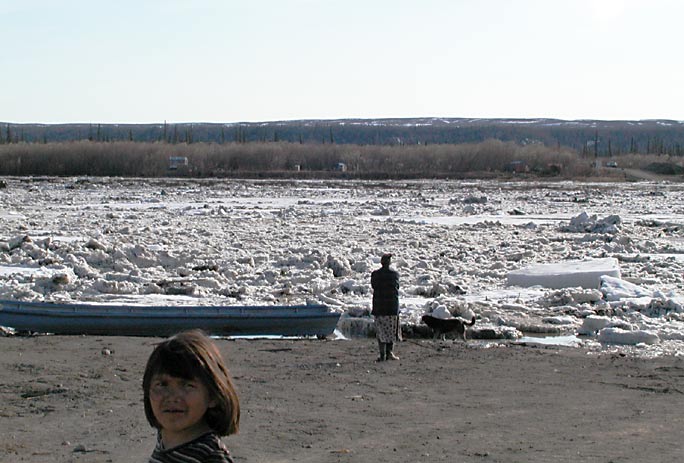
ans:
(265, 60)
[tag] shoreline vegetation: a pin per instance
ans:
(487, 159)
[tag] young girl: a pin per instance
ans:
(190, 399)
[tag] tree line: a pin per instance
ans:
(281, 158)
(597, 138)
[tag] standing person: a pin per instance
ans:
(385, 284)
(190, 398)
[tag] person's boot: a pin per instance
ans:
(381, 346)
(389, 355)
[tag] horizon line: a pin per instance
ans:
(407, 118)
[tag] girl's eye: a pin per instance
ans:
(158, 388)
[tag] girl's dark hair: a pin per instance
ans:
(191, 355)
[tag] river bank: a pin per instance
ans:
(78, 398)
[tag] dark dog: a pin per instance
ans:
(441, 326)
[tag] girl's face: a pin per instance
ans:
(179, 406)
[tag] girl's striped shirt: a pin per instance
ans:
(205, 449)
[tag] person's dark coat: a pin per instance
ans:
(385, 284)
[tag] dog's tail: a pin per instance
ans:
(472, 321)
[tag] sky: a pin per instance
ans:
(149, 61)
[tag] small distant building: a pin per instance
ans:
(176, 162)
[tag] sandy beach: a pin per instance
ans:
(78, 398)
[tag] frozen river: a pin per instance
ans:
(184, 241)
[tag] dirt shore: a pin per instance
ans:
(77, 398)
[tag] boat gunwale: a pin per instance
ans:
(164, 314)
(140, 320)
(122, 310)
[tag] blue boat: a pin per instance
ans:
(135, 320)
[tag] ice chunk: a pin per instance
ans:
(570, 274)
(441, 312)
(620, 336)
(593, 324)
(615, 289)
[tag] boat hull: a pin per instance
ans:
(124, 320)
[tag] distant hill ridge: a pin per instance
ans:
(659, 136)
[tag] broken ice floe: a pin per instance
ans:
(630, 337)
(581, 273)
(592, 224)
(270, 242)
